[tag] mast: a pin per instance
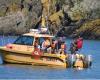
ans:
(48, 16)
(45, 16)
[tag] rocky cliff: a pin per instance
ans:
(66, 17)
(18, 16)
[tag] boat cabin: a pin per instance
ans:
(26, 42)
(23, 50)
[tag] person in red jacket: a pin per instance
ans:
(79, 43)
(76, 45)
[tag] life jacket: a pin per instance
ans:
(37, 53)
(79, 43)
(9, 46)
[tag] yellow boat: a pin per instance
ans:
(21, 52)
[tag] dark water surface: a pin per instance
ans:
(15, 71)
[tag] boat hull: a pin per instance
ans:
(22, 58)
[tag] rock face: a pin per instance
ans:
(90, 29)
(83, 8)
(18, 16)
(12, 23)
(87, 14)
(14, 20)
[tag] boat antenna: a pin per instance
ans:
(45, 18)
(48, 16)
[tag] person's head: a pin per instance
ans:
(36, 44)
(53, 40)
(36, 39)
(47, 38)
(80, 38)
(63, 42)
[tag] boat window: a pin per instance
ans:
(41, 40)
(25, 40)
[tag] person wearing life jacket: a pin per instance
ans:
(52, 48)
(37, 52)
(79, 43)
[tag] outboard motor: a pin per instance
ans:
(1, 58)
(89, 60)
(79, 64)
(71, 60)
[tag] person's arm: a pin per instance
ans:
(42, 45)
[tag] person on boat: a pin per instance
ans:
(73, 47)
(63, 48)
(79, 42)
(59, 44)
(76, 45)
(36, 45)
(52, 47)
(45, 44)
(37, 51)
